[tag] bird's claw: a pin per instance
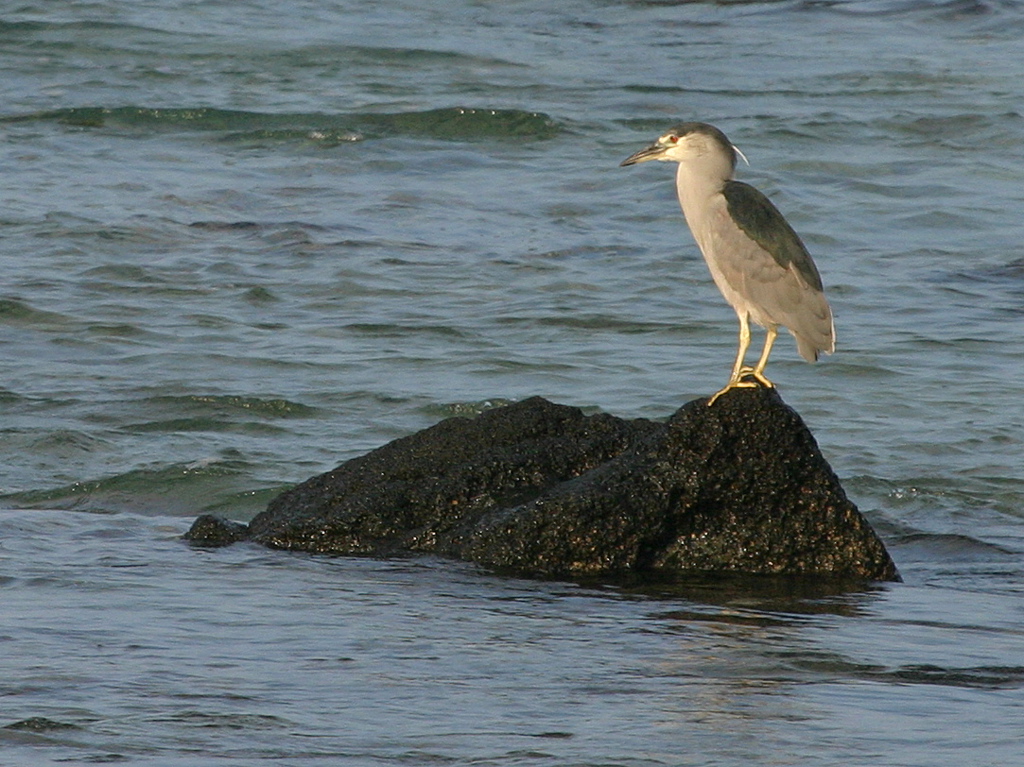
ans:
(741, 380)
(754, 373)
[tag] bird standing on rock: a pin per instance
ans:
(756, 259)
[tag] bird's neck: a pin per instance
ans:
(700, 191)
(696, 185)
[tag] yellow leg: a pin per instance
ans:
(744, 345)
(758, 372)
(739, 371)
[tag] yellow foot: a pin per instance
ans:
(741, 381)
(757, 376)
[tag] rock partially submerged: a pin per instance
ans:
(541, 489)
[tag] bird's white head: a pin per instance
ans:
(701, 145)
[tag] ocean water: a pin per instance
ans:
(243, 242)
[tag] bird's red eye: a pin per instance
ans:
(673, 139)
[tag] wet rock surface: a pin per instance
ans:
(541, 489)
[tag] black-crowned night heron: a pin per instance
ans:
(756, 259)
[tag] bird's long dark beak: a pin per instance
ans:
(653, 152)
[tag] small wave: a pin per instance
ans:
(8, 397)
(177, 489)
(66, 442)
(949, 547)
(1011, 272)
(16, 29)
(470, 409)
(225, 721)
(451, 123)
(40, 724)
(218, 413)
(983, 677)
(266, 407)
(180, 425)
(404, 330)
(951, 9)
(980, 677)
(14, 311)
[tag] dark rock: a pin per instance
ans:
(543, 490)
(212, 531)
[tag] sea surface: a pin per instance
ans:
(242, 242)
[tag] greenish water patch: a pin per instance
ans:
(451, 123)
(14, 311)
(220, 403)
(9, 397)
(204, 424)
(470, 409)
(260, 295)
(181, 489)
(243, 505)
(218, 413)
(40, 724)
